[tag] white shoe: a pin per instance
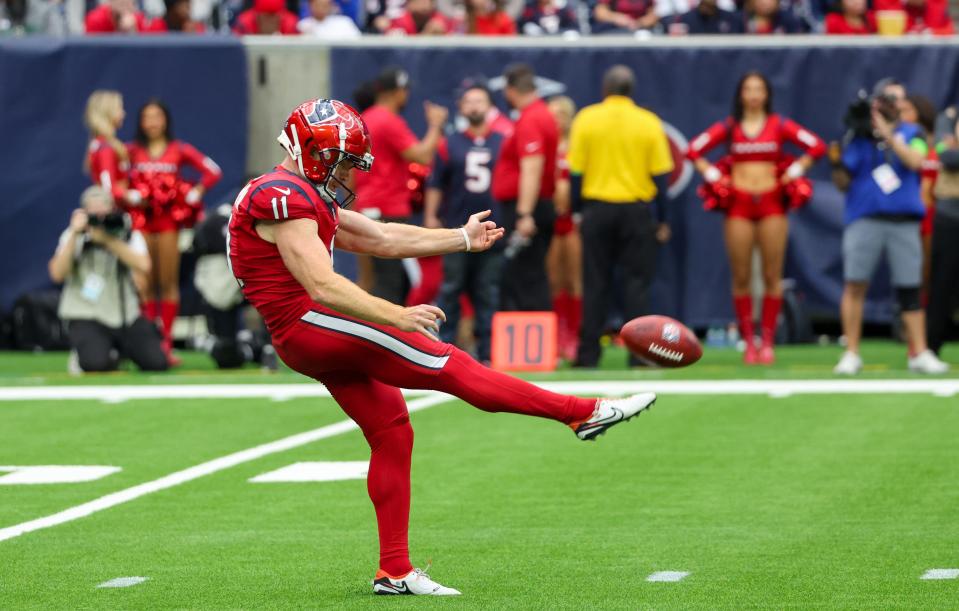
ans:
(416, 582)
(927, 362)
(610, 412)
(849, 365)
(73, 364)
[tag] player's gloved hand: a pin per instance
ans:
(482, 233)
(422, 318)
(134, 197)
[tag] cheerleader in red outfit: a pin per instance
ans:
(107, 159)
(170, 203)
(755, 185)
(564, 261)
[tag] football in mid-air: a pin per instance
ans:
(661, 341)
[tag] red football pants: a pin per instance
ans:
(363, 364)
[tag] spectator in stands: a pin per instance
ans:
(459, 187)
(176, 19)
(487, 18)
(381, 13)
(564, 261)
(670, 11)
(385, 195)
(548, 17)
(324, 23)
(266, 17)
(115, 16)
(880, 174)
(170, 203)
(524, 180)
(421, 18)
(708, 17)
(94, 260)
(853, 17)
(944, 268)
(624, 16)
(922, 16)
(620, 162)
(766, 17)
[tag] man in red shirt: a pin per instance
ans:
(266, 17)
(116, 16)
(384, 194)
(524, 179)
(362, 348)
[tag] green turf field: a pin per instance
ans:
(808, 501)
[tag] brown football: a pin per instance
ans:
(661, 341)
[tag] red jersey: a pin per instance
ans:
(768, 145)
(836, 24)
(107, 169)
(246, 23)
(102, 21)
(176, 156)
(266, 282)
(386, 187)
(495, 24)
(535, 133)
(407, 25)
(191, 27)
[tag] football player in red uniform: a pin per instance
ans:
(170, 203)
(107, 159)
(361, 347)
(755, 185)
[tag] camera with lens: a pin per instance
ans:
(116, 223)
(858, 118)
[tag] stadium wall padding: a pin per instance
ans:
(44, 85)
(229, 99)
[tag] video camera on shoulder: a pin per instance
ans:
(116, 223)
(858, 118)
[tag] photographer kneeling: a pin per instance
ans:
(879, 170)
(99, 302)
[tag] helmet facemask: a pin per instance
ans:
(332, 184)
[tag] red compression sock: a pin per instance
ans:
(771, 307)
(744, 314)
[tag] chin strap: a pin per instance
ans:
(293, 148)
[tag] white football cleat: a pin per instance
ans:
(849, 364)
(610, 412)
(416, 583)
(927, 362)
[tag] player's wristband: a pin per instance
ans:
(795, 170)
(712, 174)
(466, 238)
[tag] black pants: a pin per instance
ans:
(478, 275)
(525, 287)
(614, 234)
(943, 280)
(99, 347)
(391, 281)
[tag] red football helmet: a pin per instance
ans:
(332, 132)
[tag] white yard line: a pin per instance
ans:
(668, 576)
(123, 582)
(198, 471)
(281, 392)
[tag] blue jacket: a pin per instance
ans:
(864, 197)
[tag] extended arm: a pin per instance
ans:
(396, 240)
(307, 259)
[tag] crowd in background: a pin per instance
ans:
(344, 19)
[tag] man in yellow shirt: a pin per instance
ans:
(620, 163)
